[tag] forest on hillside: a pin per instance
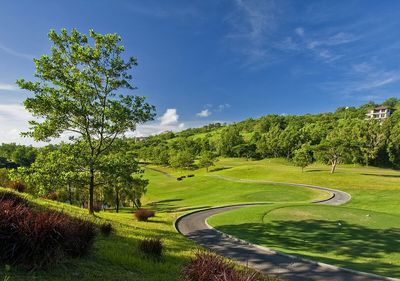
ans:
(344, 136)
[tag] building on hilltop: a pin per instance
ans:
(380, 112)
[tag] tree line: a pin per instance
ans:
(344, 136)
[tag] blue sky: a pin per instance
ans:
(218, 60)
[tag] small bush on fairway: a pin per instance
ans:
(144, 214)
(151, 246)
(190, 176)
(33, 237)
(106, 229)
(207, 266)
(17, 186)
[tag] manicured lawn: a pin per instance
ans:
(200, 191)
(361, 242)
(371, 188)
(347, 237)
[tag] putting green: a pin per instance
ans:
(346, 237)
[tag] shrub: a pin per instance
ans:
(13, 198)
(207, 266)
(106, 229)
(151, 246)
(179, 179)
(17, 186)
(190, 176)
(51, 196)
(34, 237)
(144, 214)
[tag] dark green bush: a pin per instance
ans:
(106, 229)
(151, 246)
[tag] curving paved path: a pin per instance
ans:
(194, 226)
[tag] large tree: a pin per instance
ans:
(78, 90)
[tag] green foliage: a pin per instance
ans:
(120, 173)
(182, 159)
(76, 90)
(303, 156)
(207, 159)
(339, 146)
(229, 138)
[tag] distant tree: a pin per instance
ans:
(338, 145)
(391, 102)
(160, 154)
(371, 138)
(207, 159)
(268, 145)
(182, 159)
(57, 171)
(24, 155)
(230, 137)
(303, 156)
(76, 91)
(290, 139)
(393, 147)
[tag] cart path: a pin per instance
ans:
(194, 226)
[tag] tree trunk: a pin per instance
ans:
(91, 191)
(117, 201)
(302, 169)
(70, 194)
(334, 163)
(206, 169)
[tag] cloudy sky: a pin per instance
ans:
(218, 60)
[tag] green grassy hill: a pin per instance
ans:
(364, 240)
(116, 257)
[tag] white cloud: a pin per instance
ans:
(8, 87)
(251, 23)
(224, 106)
(154, 128)
(204, 113)
(13, 120)
(15, 53)
(169, 117)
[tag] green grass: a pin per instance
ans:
(201, 191)
(116, 257)
(368, 243)
(347, 237)
(365, 184)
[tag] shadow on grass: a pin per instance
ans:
(347, 241)
(168, 206)
(382, 175)
(315, 170)
(219, 169)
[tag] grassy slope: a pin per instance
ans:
(365, 184)
(116, 257)
(166, 193)
(370, 222)
(347, 237)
